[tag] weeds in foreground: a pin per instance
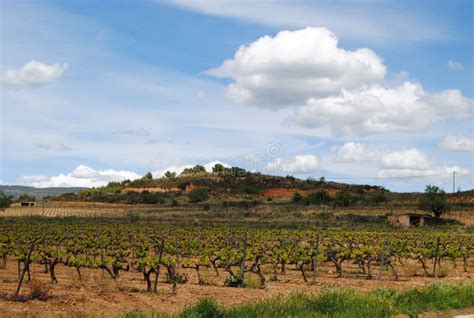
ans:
(338, 303)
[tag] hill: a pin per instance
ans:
(244, 183)
(15, 191)
(222, 185)
(237, 186)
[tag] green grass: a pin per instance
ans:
(338, 303)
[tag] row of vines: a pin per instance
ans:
(152, 249)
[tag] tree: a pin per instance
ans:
(170, 175)
(195, 169)
(343, 199)
(198, 195)
(317, 198)
(236, 171)
(26, 198)
(148, 176)
(379, 198)
(297, 198)
(5, 201)
(218, 168)
(434, 200)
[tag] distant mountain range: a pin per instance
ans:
(15, 191)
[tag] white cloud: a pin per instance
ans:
(404, 163)
(176, 169)
(449, 103)
(354, 152)
(405, 159)
(380, 110)
(455, 66)
(139, 132)
(440, 171)
(331, 88)
(61, 147)
(361, 20)
(82, 176)
(299, 164)
(458, 143)
(32, 74)
(296, 65)
(199, 95)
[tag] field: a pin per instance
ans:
(274, 213)
(103, 258)
(105, 262)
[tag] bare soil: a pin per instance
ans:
(100, 296)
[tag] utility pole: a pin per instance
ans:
(454, 181)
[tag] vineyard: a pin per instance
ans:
(231, 253)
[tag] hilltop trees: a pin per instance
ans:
(219, 169)
(194, 170)
(236, 171)
(170, 175)
(148, 176)
(434, 200)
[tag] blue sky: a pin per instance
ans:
(95, 91)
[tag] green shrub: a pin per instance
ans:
(297, 198)
(133, 217)
(205, 308)
(198, 195)
(343, 199)
(379, 198)
(26, 198)
(234, 281)
(317, 198)
(5, 201)
(337, 302)
(251, 190)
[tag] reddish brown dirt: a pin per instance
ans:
(281, 193)
(98, 295)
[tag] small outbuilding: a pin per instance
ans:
(407, 220)
(28, 203)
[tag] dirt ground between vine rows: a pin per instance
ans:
(98, 295)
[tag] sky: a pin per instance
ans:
(358, 91)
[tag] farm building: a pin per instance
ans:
(28, 203)
(407, 220)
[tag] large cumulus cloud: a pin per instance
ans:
(329, 87)
(296, 65)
